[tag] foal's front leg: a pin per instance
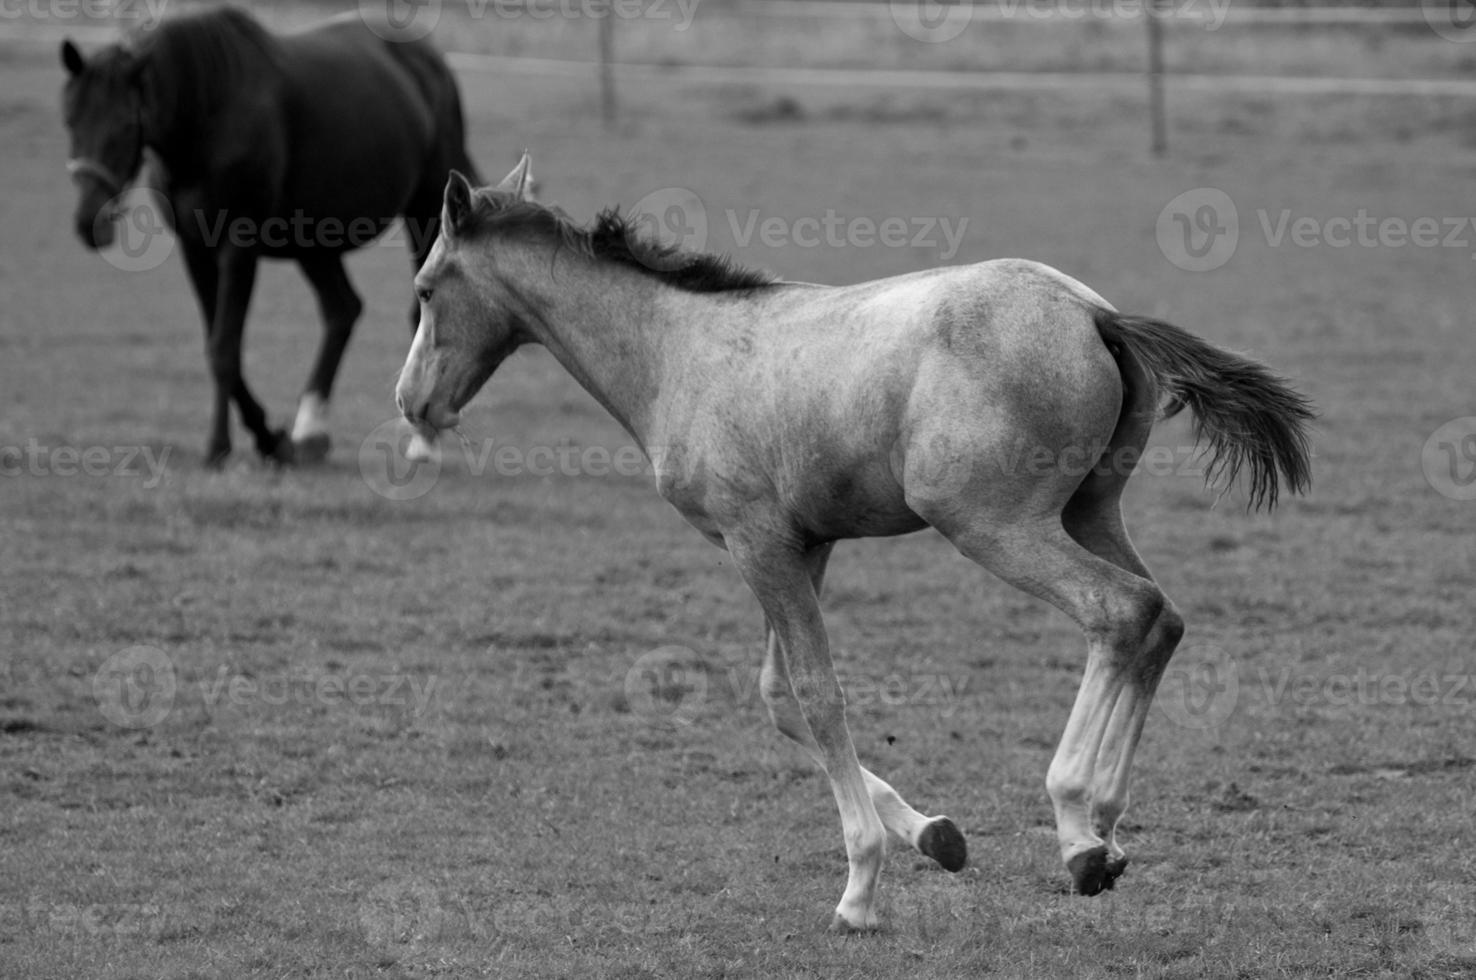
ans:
(934, 837)
(777, 574)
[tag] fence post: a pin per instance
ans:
(607, 68)
(1154, 14)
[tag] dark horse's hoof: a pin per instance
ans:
(1094, 871)
(311, 449)
(280, 450)
(941, 841)
(215, 456)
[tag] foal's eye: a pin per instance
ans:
(424, 295)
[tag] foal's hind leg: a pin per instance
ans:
(340, 307)
(936, 837)
(1093, 519)
(1131, 630)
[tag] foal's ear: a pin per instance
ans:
(519, 183)
(71, 58)
(457, 206)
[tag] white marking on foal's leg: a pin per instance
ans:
(935, 837)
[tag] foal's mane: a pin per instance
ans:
(202, 59)
(619, 238)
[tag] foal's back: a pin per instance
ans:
(946, 374)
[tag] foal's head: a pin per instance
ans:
(103, 108)
(471, 319)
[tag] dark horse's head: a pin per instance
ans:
(103, 108)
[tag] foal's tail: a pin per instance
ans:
(1248, 415)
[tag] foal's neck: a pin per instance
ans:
(615, 328)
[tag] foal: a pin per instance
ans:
(1003, 403)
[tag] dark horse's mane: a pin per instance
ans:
(619, 238)
(204, 59)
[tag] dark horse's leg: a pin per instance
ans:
(237, 275)
(340, 307)
(205, 276)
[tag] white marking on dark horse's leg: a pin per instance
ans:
(778, 577)
(310, 430)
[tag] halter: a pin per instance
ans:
(111, 182)
(86, 167)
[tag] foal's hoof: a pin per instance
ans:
(311, 449)
(941, 841)
(1095, 871)
(215, 457)
(841, 926)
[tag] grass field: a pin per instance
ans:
(510, 727)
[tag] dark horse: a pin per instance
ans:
(300, 147)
